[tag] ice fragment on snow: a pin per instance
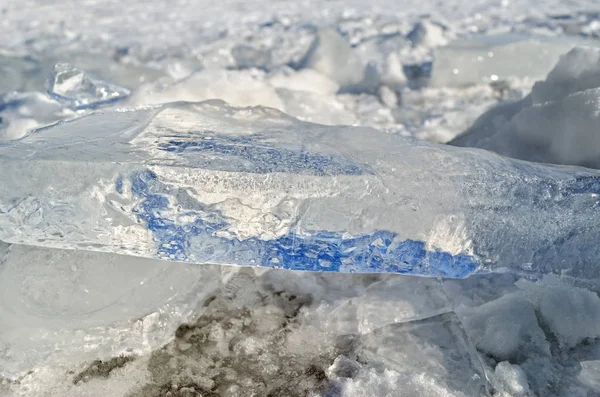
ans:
(307, 80)
(511, 379)
(572, 314)
(381, 54)
(428, 355)
(418, 74)
(332, 55)
(236, 87)
(314, 108)
(506, 329)
(246, 56)
(79, 90)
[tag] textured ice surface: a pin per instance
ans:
(206, 183)
(572, 314)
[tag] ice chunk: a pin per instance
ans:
(485, 59)
(331, 55)
(510, 378)
(306, 94)
(123, 68)
(381, 53)
(282, 41)
(428, 34)
(590, 374)
(573, 314)
(387, 97)
(238, 88)
(76, 88)
(418, 74)
(576, 71)
(506, 329)
(557, 123)
(62, 306)
(207, 183)
(427, 356)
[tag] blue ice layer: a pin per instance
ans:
(196, 241)
(254, 153)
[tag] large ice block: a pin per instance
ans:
(208, 183)
(556, 123)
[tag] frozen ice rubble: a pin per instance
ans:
(208, 183)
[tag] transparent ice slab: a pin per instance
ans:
(63, 307)
(207, 183)
(430, 355)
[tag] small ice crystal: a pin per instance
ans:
(79, 90)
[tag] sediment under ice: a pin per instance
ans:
(208, 183)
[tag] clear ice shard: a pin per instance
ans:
(79, 90)
(429, 355)
(208, 183)
(61, 306)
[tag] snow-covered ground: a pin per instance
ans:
(93, 322)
